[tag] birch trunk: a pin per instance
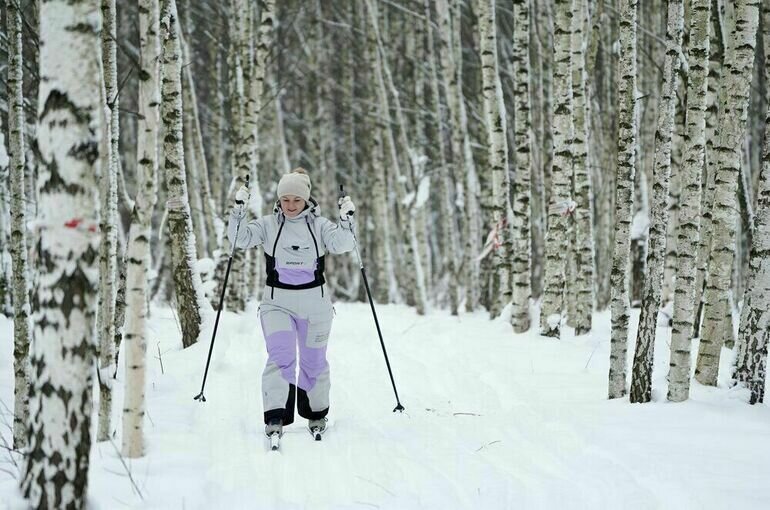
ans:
(750, 370)
(583, 225)
(522, 253)
(685, 297)
(403, 182)
(641, 377)
(187, 282)
(627, 121)
(734, 110)
(70, 108)
(20, 283)
(557, 237)
(381, 254)
(138, 251)
(108, 219)
(446, 219)
(716, 56)
(497, 150)
(6, 308)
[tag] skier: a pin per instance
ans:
(296, 310)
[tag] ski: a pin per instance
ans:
(275, 441)
(317, 433)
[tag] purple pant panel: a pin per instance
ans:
(282, 351)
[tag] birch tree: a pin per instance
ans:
(497, 149)
(70, 116)
(17, 165)
(750, 369)
(187, 283)
(522, 253)
(627, 119)
(557, 237)
(690, 209)
(138, 251)
(641, 378)
(736, 86)
(5, 227)
(108, 219)
(583, 225)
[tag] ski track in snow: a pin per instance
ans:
(493, 420)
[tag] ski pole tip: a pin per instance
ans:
(200, 397)
(399, 408)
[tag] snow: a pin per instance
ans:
(640, 225)
(493, 420)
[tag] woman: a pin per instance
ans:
(296, 309)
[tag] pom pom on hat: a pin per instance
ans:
(296, 183)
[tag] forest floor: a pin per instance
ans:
(493, 421)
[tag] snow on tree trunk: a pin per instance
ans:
(641, 377)
(108, 219)
(382, 255)
(70, 118)
(447, 227)
(497, 151)
(732, 126)
(557, 236)
(750, 369)
(690, 211)
(187, 282)
(627, 121)
(583, 226)
(522, 253)
(18, 203)
(138, 252)
(402, 180)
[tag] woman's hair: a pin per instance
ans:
(299, 170)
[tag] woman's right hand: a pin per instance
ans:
(241, 201)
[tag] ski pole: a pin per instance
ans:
(200, 396)
(398, 407)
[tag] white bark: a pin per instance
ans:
(750, 369)
(440, 50)
(690, 211)
(583, 226)
(734, 111)
(138, 251)
(17, 164)
(557, 237)
(70, 119)
(627, 120)
(522, 253)
(641, 380)
(187, 282)
(497, 149)
(108, 217)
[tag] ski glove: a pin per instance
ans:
(241, 201)
(346, 208)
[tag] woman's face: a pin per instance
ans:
(292, 205)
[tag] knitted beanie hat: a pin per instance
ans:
(296, 183)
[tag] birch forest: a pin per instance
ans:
(551, 164)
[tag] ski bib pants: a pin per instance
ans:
(296, 312)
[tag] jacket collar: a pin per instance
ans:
(311, 212)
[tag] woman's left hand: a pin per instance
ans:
(346, 208)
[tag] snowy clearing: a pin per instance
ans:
(494, 420)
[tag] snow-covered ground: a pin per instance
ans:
(493, 421)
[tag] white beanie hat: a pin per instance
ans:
(296, 183)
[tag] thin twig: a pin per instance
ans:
(484, 446)
(125, 466)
